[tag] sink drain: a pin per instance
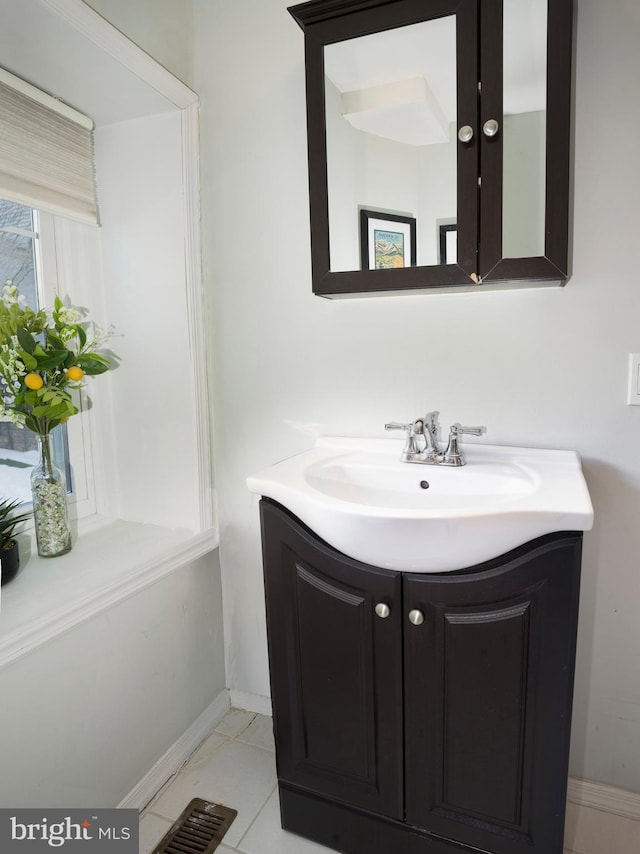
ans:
(424, 484)
(198, 830)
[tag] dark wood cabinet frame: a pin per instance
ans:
(479, 214)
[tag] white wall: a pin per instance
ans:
(85, 717)
(545, 368)
(140, 182)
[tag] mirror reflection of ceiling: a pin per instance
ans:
(401, 84)
(419, 60)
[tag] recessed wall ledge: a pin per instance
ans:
(108, 563)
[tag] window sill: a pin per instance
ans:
(106, 565)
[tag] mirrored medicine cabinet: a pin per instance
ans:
(438, 139)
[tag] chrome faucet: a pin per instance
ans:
(430, 452)
(430, 427)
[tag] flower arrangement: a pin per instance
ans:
(44, 357)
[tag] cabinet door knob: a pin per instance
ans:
(465, 134)
(382, 610)
(490, 127)
(416, 617)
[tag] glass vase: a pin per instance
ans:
(49, 492)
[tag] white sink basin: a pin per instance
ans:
(357, 496)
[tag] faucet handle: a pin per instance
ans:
(453, 455)
(411, 446)
(397, 425)
(457, 430)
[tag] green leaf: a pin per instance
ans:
(55, 341)
(82, 336)
(93, 364)
(26, 340)
(52, 359)
(32, 423)
(57, 303)
(30, 397)
(29, 362)
(96, 356)
(58, 410)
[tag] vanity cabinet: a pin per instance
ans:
(421, 712)
(450, 115)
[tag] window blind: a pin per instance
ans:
(46, 152)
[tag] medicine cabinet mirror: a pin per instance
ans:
(448, 123)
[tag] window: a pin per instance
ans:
(140, 449)
(21, 261)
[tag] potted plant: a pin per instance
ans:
(9, 554)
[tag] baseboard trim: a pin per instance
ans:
(605, 798)
(175, 757)
(251, 702)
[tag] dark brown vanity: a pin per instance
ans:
(420, 713)
(451, 115)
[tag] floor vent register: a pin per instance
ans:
(198, 830)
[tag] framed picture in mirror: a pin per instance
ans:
(448, 243)
(387, 240)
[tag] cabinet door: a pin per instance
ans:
(336, 673)
(488, 686)
(525, 135)
(399, 152)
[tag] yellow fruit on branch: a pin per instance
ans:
(33, 381)
(75, 373)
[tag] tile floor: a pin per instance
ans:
(236, 767)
